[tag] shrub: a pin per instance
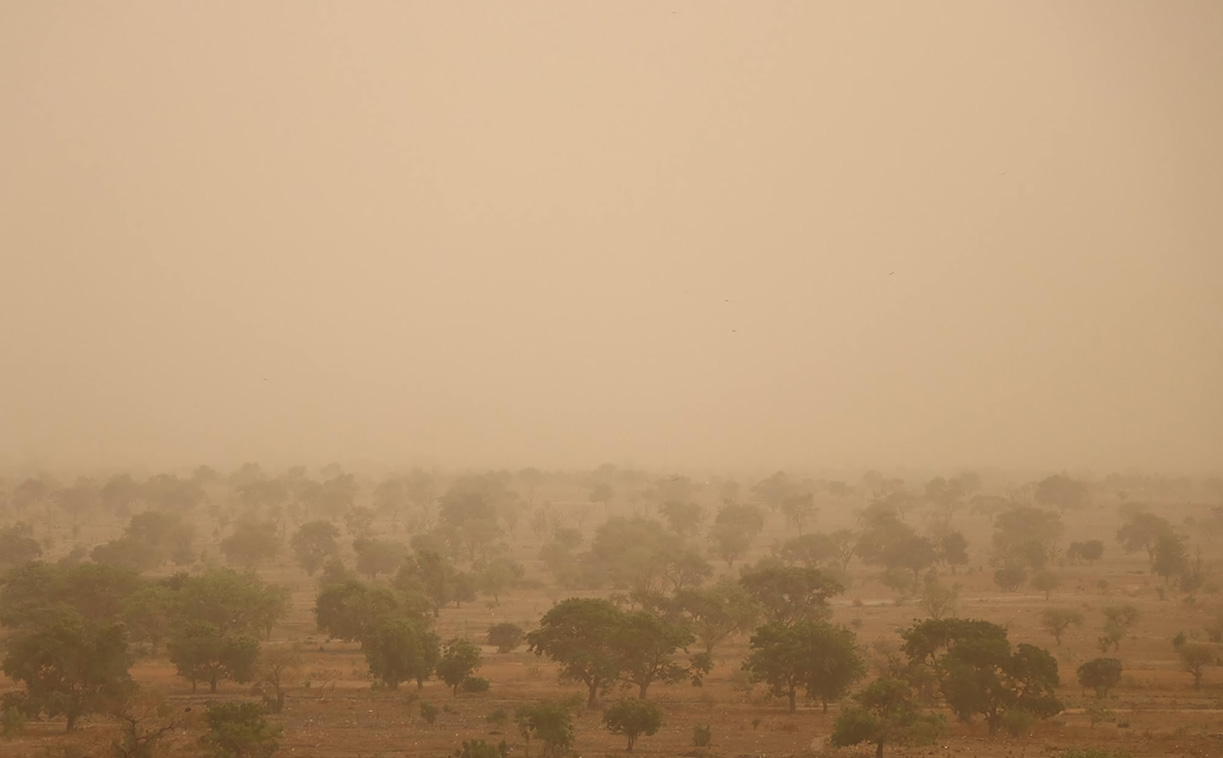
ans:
(497, 717)
(428, 712)
(482, 749)
(633, 717)
(475, 684)
(1017, 722)
(505, 636)
(12, 722)
(702, 735)
(239, 730)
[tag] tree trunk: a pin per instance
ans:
(592, 701)
(212, 684)
(793, 695)
(72, 717)
(645, 686)
(878, 750)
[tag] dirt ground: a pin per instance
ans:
(340, 715)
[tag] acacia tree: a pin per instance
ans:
(887, 712)
(69, 665)
(815, 657)
(1056, 621)
(276, 666)
(1195, 657)
(575, 634)
(505, 636)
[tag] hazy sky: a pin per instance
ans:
(677, 233)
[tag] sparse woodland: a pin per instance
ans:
(330, 613)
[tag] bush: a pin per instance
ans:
(702, 735)
(428, 712)
(475, 684)
(1017, 722)
(12, 723)
(482, 749)
(505, 636)
(239, 730)
(633, 717)
(497, 717)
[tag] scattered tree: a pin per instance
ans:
(1100, 675)
(887, 712)
(633, 718)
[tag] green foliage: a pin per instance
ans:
(459, 660)
(497, 717)
(1056, 621)
(574, 634)
(1100, 675)
(715, 612)
(482, 749)
(1062, 492)
(251, 543)
(202, 652)
(702, 735)
(633, 718)
(95, 591)
(428, 712)
(733, 530)
(978, 673)
(350, 609)
(69, 665)
(1008, 578)
(683, 517)
(1143, 531)
(232, 602)
(239, 730)
(378, 556)
(18, 546)
(399, 649)
(431, 574)
(313, 543)
(12, 722)
(1195, 657)
(549, 722)
(644, 647)
(1085, 552)
(1017, 722)
(498, 576)
(505, 636)
(1046, 581)
(475, 684)
(886, 713)
(639, 554)
(889, 542)
(1026, 537)
(791, 593)
(815, 657)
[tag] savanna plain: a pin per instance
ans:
(335, 614)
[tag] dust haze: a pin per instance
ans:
(676, 234)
